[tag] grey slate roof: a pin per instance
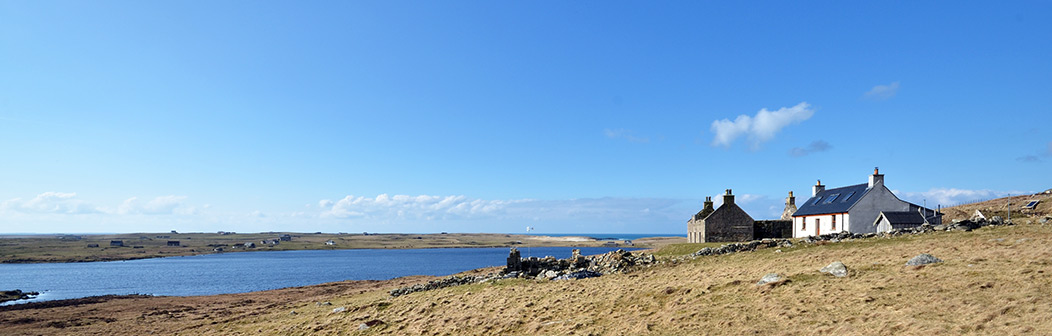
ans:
(903, 217)
(845, 198)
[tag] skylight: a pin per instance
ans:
(830, 198)
(848, 196)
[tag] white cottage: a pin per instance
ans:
(853, 209)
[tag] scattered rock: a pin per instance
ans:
(443, 283)
(292, 312)
(369, 324)
(549, 274)
(324, 303)
(837, 269)
(742, 247)
(339, 310)
(770, 278)
(578, 275)
(923, 259)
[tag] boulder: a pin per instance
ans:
(923, 259)
(770, 278)
(369, 324)
(339, 310)
(837, 269)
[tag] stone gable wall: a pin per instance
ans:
(728, 223)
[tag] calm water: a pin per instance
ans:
(250, 271)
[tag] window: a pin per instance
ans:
(816, 200)
(834, 222)
(831, 198)
(803, 223)
(818, 223)
(848, 196)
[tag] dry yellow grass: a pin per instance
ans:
(994, 281)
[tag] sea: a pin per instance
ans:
(241, 272)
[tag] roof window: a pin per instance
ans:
(848, 196)
(831, 198)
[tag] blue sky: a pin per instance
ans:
(391, 116)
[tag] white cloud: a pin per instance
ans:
(162, 205)
(953, 196)
(626, 135)
(50, 202)
(413, 207)
(759, 128)
(882, 92)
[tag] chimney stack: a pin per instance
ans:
(877, 178)
(708, 204)
(790, 207)
(817, 188)
(728, 198)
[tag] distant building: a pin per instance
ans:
(853, 209)
(174, 243)
(250, 245)
(93, 245)
(286, 237)
(117, 243)
(726, 223)
(330, 242)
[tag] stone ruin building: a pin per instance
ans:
(730, 223)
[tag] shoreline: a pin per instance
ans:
(134, 246)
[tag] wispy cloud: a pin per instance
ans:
(625, 135)
(162, 205)
(1028, 158)
(52, 203)
(1035, 158)
(759, 128)
(814, 147)
(433, 208)
(882, 92)
(951, 196)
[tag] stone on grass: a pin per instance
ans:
(769, 278)
(369, 324)
(339, 310)
(923, 259)
(837, 269)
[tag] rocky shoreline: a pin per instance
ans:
(14, 295)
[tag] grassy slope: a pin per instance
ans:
(1000, 206)
(993, 281)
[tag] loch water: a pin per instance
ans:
(251, 271)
